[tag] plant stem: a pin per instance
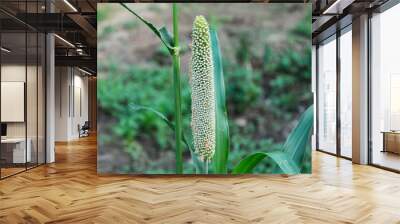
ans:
(177, 87)
(205, 167)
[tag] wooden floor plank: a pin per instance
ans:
(70, 191)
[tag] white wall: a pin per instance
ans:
(80, 115)
(71, 93)
(62, 81)
(11, 73)
(16, 73)
(33, 126)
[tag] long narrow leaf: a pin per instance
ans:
(221, 155)
(166, 37)
(196, 161)
(295, 151)
(162, 33)
(306, 163)
(297, 141)
(282, 160)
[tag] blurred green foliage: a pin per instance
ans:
(106, 32)
(103, 12)
(265, 95)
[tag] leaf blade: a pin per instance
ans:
(162, 33)
(297, 142)
(221, 155)
(281, 159)
(290, 160)
(166, 36)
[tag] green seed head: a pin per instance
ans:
(203, 96)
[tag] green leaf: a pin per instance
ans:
(297, 141)
(162, 33)
(281, 159)
(166, 37)
(198, 164)
(220, 158)
(295, 150)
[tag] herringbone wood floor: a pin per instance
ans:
(70, 191)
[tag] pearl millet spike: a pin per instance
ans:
(203, 94)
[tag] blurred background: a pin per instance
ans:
(266, 50)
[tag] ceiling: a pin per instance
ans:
(330, 15)
(73, 22)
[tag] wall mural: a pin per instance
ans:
(204, 88)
